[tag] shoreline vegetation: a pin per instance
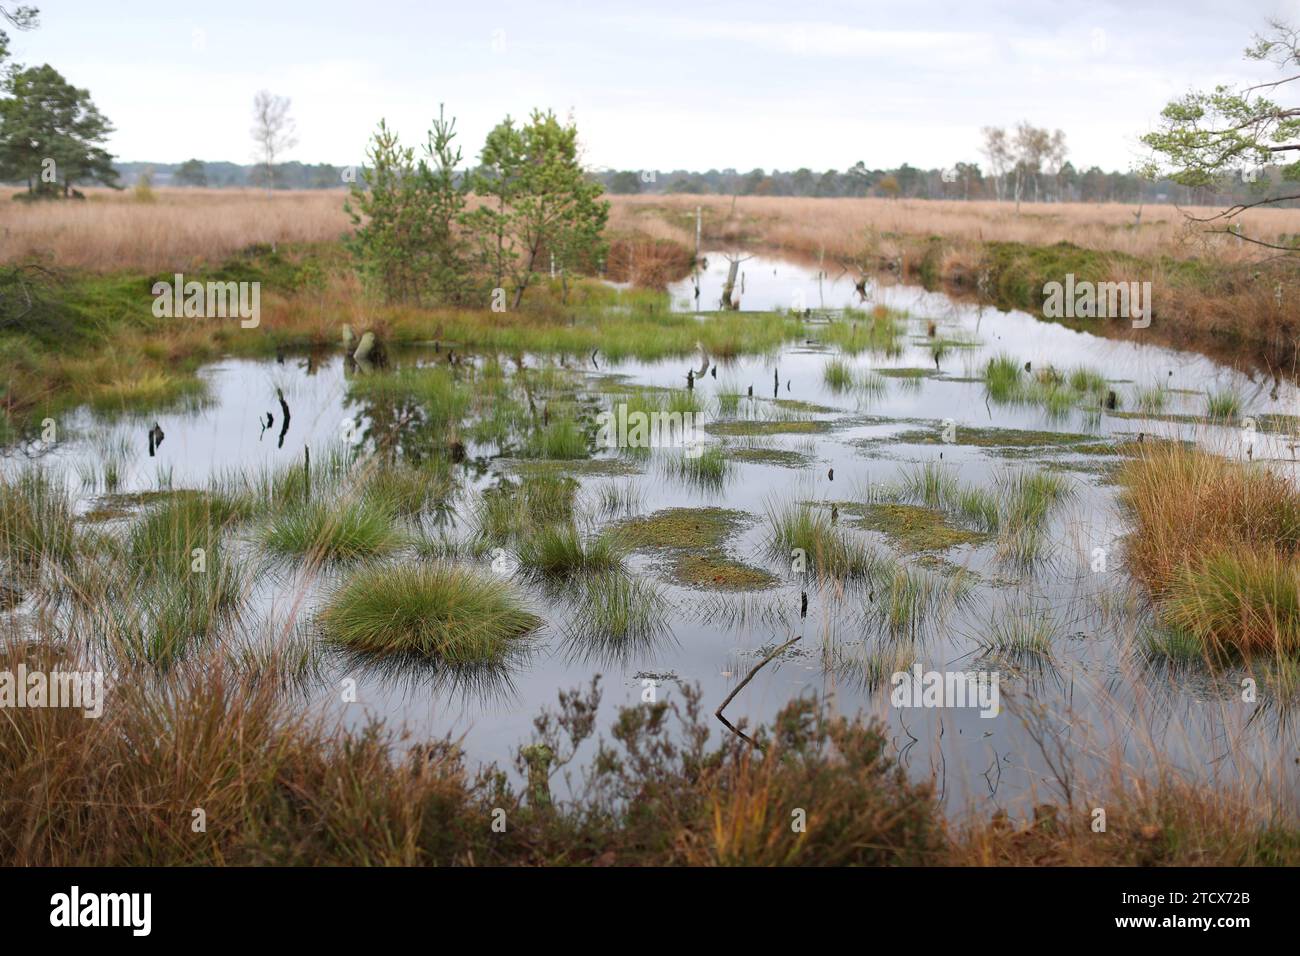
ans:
(280, 788)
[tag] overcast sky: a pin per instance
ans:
(652, 85)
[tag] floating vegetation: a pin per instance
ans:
(1003, 442)
(765, 428)
(906, 372)
(917, 529)
(770, 456)
(684, 528)
(714, 569)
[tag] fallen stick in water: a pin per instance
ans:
(741, 686)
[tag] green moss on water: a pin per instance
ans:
(595, 467)
(1171, 417)
(907, 372)
(696, 529)
(770, 456)
(763, 428)
(798, 405)
(1006, 442)
(918, 529)
(713, 569)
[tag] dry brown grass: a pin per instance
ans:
(184, 227)
(181, 228)
(1215, 542)
(1165, 823)
(838, 227)
(1186, 502)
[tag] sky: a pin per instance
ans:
(651, 85)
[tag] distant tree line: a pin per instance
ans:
(226, 175)
(965, 181)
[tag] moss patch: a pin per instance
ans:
(906, 372)
(682, 528)
(914, 528)
(770, 456)
(597, 467)
(741, 429)
(798, 405)
(713, 569)
(1006, 442)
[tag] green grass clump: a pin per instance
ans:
(1223, 405)
(1028, 500)
(905, 602)
(1030, 496)
(335, 532)
(977, 507)
(838, 375)
(36, 521)
(560, 551)
(434, 391)
(931, 484)
(796, 529)
(708, 469)
(445, 612)
(404, 489)
(166, 589)
(1237, 602)
(1152, 400)
(1087, 381)
(878, 332)
(562, 439)
(513, 508)
(1021, 633)
(1002, 378)
(617, 617)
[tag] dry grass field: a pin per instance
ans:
(180, 228)
(838, 226)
